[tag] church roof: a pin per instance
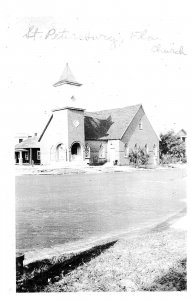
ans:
(31, 142)
(109, 124)
(67, 78)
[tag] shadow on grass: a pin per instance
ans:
(46, 271)
(174, 280)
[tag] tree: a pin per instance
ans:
(171, 148)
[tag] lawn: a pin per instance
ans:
(154, 260)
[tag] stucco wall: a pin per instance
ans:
(62, 130)
(56, 133)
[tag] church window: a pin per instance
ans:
(87, 151)
(102, 151)
(155, 150)
(126, 150)
(146, 149)
(140, 125)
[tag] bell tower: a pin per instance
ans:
(64, 140)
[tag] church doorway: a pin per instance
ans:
(76, 152)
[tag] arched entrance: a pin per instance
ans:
(76, 151)
(61, 153)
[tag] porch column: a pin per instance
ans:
(20, 158)
(30, 156)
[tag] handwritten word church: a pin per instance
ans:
(75, 135)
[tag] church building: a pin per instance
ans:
(74, 135)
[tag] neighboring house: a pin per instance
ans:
(182, 134)
(20, 137)
(28, 151)
(72, 134)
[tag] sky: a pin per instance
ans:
(123, 52)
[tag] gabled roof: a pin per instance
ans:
(109, 124)
(29, 143)
(182, 133)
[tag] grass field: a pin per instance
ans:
(154, 260)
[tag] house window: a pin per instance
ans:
(126, 150)
(26, 156)
(140, 125)
(87, 151)
(146, 149)
(20, 140)
(38, 155)
(102, 151)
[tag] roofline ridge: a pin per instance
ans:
(99, 111)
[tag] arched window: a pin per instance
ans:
(102, 151)
(146, 149)
(126, 150)
(87, 151)
(155, 150)
(61, 152)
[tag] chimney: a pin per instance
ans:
(35, 134)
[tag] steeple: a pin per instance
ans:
(67, 78)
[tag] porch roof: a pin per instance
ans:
(23, 150)
(28, 143)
